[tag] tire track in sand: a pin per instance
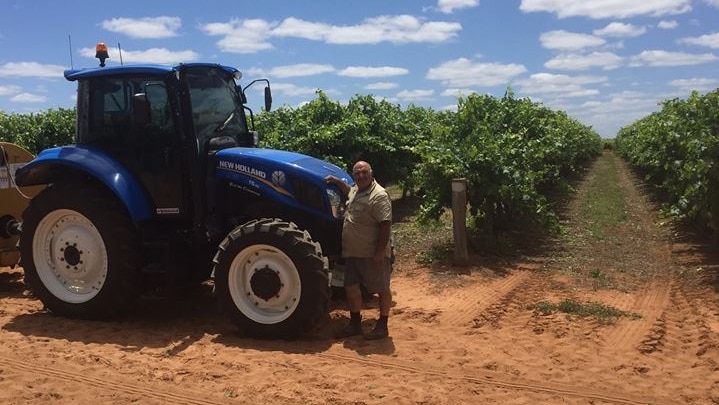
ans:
(110, 386)
(629, 334)
(683, 330)
(499, 380)
(471, 301)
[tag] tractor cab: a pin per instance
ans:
(161, 123)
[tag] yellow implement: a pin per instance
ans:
(13, 200)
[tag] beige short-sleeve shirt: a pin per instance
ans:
(365, 211)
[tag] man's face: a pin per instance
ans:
(362, 174)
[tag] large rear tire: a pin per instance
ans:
(80, 251)
(271, 279)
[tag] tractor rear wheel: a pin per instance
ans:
(79, 251)
(271, 279)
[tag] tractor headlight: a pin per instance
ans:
(338, 208)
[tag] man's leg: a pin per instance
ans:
(385, 304)
(354, 301)
(354, 297)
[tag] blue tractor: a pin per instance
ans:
(166, 184)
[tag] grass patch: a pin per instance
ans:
(604, 314)
(600, 244)
(428, 243)
(604, 206)
(436, 253)
(600, 279)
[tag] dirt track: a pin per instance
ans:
(456, 338)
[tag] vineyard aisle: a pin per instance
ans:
(621, 308)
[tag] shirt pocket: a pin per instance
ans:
(358, 208)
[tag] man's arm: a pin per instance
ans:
(344, 187)
(385, 230)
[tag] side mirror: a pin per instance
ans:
(268, 98)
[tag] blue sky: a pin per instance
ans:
(604, 62)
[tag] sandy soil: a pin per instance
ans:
(457, 336)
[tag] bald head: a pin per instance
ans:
(361, 165)
(362, 173)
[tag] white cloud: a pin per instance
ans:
(381, 86)
(664, 58)
(448, 6)
(604, 60)
(617, 29)
(310, 69)
(291, 90)
(710, 40)
(599, 9)
(625, 101)
(415, 95)
(31, 69)
(667, 25)
(152, 55)
(9, 90)
(560, 85)
(700, 84)
(28, 98)
(300, 70)
(608, 114)
(395, 29)
(569, 41)
(241, 36)
(249, 36)
(713, 3)
(463, 72)
(297, 28)
(150, 27)
(368, 71)
(254, 71)
(455, 92)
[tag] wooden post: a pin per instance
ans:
(459, 221)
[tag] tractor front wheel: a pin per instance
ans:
(271, 279)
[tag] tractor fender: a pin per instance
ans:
(51, 166)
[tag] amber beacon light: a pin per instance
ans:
(101, 53)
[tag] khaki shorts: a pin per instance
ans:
(362, 271)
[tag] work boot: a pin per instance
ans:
(352, 329)
(379, 332)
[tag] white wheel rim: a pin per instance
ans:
(70, 256)
(244, 266)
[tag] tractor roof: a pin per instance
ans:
(143, 69)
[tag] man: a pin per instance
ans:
(366, 247)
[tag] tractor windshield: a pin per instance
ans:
(216, 106)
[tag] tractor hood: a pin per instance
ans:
(263, 163)
(287, 177)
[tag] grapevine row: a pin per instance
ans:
(513, 152)
(677, 149)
